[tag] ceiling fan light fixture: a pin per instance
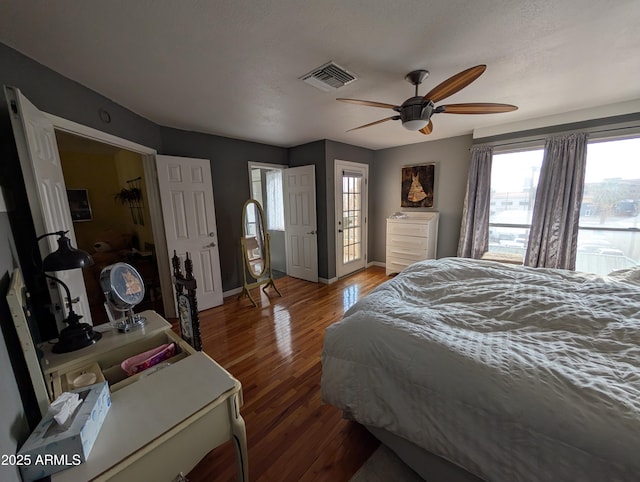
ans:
(415, 112)
(414, 125)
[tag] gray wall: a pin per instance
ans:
(230, 174)
(14, 428)
(452, 163)
(56, 94)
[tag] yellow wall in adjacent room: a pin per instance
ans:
(98, 174)
(129, 166)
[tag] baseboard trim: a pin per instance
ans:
(327, 281)
(232, 292)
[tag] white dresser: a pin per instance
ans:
(410, 239)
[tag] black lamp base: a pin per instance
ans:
(74, 337)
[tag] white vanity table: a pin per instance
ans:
(161, 423)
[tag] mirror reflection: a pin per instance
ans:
(254, 238)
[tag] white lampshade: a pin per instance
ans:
(415, 125)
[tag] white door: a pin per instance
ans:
(351, 216)
(44, 180)
(186, 194)
(300, 224)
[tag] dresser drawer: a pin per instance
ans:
(407, 228)
(410, 247)
(395, 265)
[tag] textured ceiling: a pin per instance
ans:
(231, 68)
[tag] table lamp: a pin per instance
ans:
(76, 335)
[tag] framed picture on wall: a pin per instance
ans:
(79, 205)
(417, 186)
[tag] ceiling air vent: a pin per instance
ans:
(328, 77)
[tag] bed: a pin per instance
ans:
(510, 373)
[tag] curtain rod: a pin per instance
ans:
(539, 138)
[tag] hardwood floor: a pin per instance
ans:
(274, 350)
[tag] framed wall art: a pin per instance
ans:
(417, 186)
(79, 205)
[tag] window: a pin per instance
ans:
(609, 231)
(609, 236)
(514, 180)
(266, 188)
(275, 204)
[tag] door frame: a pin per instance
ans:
(339, 166)
(148, 155)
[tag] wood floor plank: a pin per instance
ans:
(274, 350)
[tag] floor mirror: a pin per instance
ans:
(256, 254)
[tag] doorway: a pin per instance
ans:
(351, 200)
(34, 132)
(106, 187)
(265, 186)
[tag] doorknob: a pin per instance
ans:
(313, 232)
(339, 230)
(210, 245)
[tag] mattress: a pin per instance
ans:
(512, 373)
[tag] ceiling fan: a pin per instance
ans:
(416, 112)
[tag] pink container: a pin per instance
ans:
(142, 361)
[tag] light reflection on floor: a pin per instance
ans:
(282, 330)
(350, 296)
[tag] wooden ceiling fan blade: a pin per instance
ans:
(455, 83)
(428, 129)
(370, 103)
(476, 108)
(393, 117)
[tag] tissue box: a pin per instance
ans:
(51, 448)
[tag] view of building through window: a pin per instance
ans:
(607, 238)
(610, 211)
(514, 180)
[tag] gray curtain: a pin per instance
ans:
(553, 239)
(474, 230)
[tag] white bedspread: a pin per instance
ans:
(512, 373)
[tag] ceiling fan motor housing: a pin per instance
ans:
(415, 113)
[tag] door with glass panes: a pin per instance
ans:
(351, 216)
